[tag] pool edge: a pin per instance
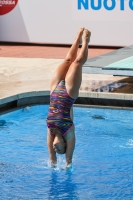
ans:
(85, 99)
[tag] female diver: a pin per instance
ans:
(64, 90)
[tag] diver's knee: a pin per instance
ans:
(80, 60)
(68, 60)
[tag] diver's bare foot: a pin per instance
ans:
(86, 35)
(79, 36)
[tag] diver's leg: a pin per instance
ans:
(74, 74)
(62, 69)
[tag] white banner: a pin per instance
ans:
(56, 22)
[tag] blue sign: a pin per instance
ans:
(87, 4)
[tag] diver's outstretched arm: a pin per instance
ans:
(52, 153)
(70, 143)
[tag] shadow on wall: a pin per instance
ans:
(13, 27)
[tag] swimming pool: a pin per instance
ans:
(103, 157)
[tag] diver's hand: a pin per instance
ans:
(53, 165)
(69, 167)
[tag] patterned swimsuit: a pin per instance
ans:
(59, 109)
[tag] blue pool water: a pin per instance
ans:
(103, 157)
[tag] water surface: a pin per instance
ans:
(103, 157)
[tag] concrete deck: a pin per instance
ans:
(27, 73)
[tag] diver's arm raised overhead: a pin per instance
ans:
(70, 143)
(52, 153)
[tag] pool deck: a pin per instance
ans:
(26, 71)
(118, 62)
